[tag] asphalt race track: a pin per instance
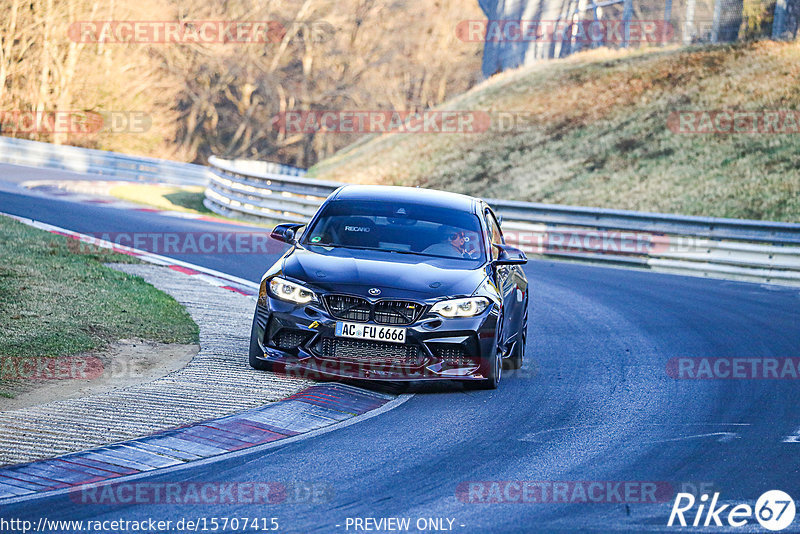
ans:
(594, 403)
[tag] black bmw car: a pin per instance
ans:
(394, 283)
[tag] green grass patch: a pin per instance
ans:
(187, 199)
(56, 301)
(595, 133)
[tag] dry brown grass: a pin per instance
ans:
(596, 134)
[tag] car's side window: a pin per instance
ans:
(495, 234)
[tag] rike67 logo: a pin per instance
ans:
(774, 510)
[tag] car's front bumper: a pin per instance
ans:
(297, 340)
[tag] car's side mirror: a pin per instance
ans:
(509, 255)
(286, 232)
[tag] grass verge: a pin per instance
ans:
(55, 302)
(186, 199)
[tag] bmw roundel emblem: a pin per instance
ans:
(374, 291)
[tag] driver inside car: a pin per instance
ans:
(454, 244)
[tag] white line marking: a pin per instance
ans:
(723, 437)
(532, 436)
(793, 438)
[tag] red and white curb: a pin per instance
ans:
(210, 276)
(317, 409)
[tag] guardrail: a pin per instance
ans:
(235, 190)
(759, 251)
(90, 161)
(702, 246)
(265, 167)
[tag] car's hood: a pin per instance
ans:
(396, 275)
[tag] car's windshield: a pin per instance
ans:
(398, 227)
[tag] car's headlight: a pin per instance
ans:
(467, 307)
(290, 292)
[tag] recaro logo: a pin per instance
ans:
(774, 510)
(357, 228)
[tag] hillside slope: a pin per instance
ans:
(595, 133)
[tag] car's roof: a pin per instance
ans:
(410, 195)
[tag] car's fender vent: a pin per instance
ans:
(454, 355)
(370, 351)
(290, 339)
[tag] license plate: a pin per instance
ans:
(374, 332)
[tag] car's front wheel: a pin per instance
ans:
(256, 353)
(494, 371)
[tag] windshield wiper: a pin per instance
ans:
(404, 251)
(392, 250)
(333, 245)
